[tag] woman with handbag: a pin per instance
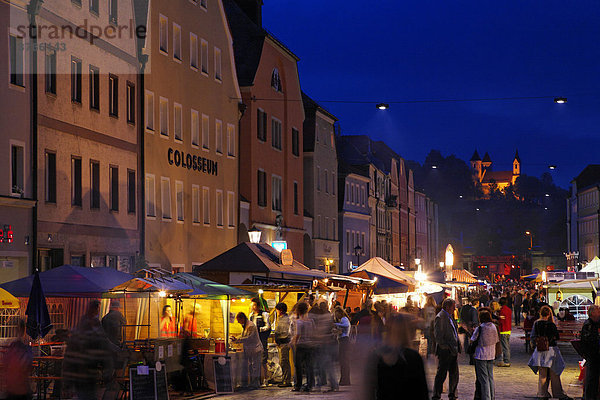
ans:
(483, 348)
(546, 360)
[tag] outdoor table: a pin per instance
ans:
(47, 370)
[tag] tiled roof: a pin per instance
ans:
(497, 176)
(475, 156)
(588, 177)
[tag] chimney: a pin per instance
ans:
(253, 9)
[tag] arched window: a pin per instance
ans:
(275, 80)
(578, 305)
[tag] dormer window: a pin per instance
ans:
(275, 80)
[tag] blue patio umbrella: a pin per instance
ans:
(38, 317)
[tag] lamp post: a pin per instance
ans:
(254, 235)
(357, 251)
(528, 233)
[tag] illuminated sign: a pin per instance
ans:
(191, 161)
(6, 234)
(279, 245)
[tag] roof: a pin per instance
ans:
(486, 158)
(70, 281)
(517, 156)
(475, 156)
(248, 41)
(310, 109)
(461, 275)
(310, 104)
(498, 176)
(379, 266)
(207, 288)
(257, 258)
(588, 177)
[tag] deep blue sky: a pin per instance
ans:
(391, 50)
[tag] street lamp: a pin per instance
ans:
(560, 100)
(357, 251)
(382, 106)
(254, 235)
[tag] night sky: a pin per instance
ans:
(410, 50)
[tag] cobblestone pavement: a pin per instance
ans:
(513, 383)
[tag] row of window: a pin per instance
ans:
(94, 5)
(200, 213)
(321, 228)
(94, 183)
(329, 188)
(276, 190)
(588, 227)
(276, 140)
(589, 199)
(196, 139)
(355, 194)
(354, 239)
(196, 63)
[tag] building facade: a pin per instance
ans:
(354, 217)
(271, 137)
(17, 188)
(87, 142)
(421, 235)
(404, 212)
(583, 216)
(321, 250)
(190, 134)
(412, 221)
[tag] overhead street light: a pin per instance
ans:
(382, 106)
(551, 166)
(560, 100)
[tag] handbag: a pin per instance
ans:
(473, 344)
(541, 343)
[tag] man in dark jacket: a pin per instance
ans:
(448, 347)
(517, 302)
(591, 351)
(469, 320)
(113, 323)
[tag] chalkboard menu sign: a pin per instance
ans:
(223, 378)
(162, 392)
(148, 384)
(142, 385)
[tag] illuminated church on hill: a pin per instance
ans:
(484, 175)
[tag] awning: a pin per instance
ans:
(462, 276)
(153, 284)
(7, 300)
(70, 281)
(205, 288)
(382, 268)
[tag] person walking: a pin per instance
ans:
(282, 339)
(590, 348)
(302, 343)
(486, 336)
(168, 325)
(260, 317)
(252, 351)
(546, 359)
(468, 321)
(428, 318)
(505, 317)
(517, 302)
(113, 323)
(393, 370)
(448, 347)
(17, 366)
(342, 323)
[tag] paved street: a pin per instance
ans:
(515, 382)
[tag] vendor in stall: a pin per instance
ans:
(168, 325)
(190, 322)
(253, 349)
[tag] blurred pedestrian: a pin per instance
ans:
(113, 323)
(302, 342)
(546, 359)
(252, 351)
(282, 339)
(590, 348)
(448, 347)
(517, 302)
(17, 366)
(469, 319)
(342, 323)
(486, 336)
(394, 370)
(428, 317)
(326, 349)
(260, 317)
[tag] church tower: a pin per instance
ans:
(476, 166)
(486, 163)
(516, 165)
